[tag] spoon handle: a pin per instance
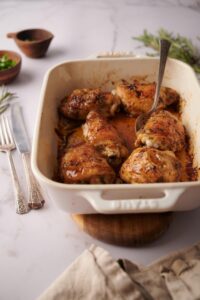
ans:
(164, 49)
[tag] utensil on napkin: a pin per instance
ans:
(7, 144)
(164, 49)
(35, 198)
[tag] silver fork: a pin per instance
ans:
(7, 144)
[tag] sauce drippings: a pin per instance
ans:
(125, 126)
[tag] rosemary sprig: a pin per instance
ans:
(181, 48)
(5, 98)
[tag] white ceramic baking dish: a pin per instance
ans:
(113, 198)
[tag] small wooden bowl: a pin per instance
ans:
(8, 75)
(33, 43)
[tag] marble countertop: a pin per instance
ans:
(35, 248)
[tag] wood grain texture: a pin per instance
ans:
(126, 229)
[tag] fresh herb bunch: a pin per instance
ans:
(6, 63)
(181, 48)
(5, 97)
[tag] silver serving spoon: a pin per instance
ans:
(164, 49)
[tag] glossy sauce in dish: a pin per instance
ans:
(125, 126)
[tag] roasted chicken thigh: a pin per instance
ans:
(82, 101)
(105, 138)
(83, 164)
(98, 143)
(137, 97)
(162, 131)
(149, 165)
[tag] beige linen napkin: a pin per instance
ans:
(95, 275)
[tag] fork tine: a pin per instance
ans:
(9, 131)
(7, 145)
(5, 134)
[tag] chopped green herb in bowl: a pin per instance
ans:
(6, 62)
(10, 66)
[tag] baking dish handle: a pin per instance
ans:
(164, 203)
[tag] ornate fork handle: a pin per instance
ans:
(35, 199)
(20, 204)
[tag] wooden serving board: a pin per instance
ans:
(125, 229)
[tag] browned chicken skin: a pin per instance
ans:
(82, 101)
(137, 97)
(96, 152)
(83, 164)
(149, 165)
(162, 131)
(105, 138)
